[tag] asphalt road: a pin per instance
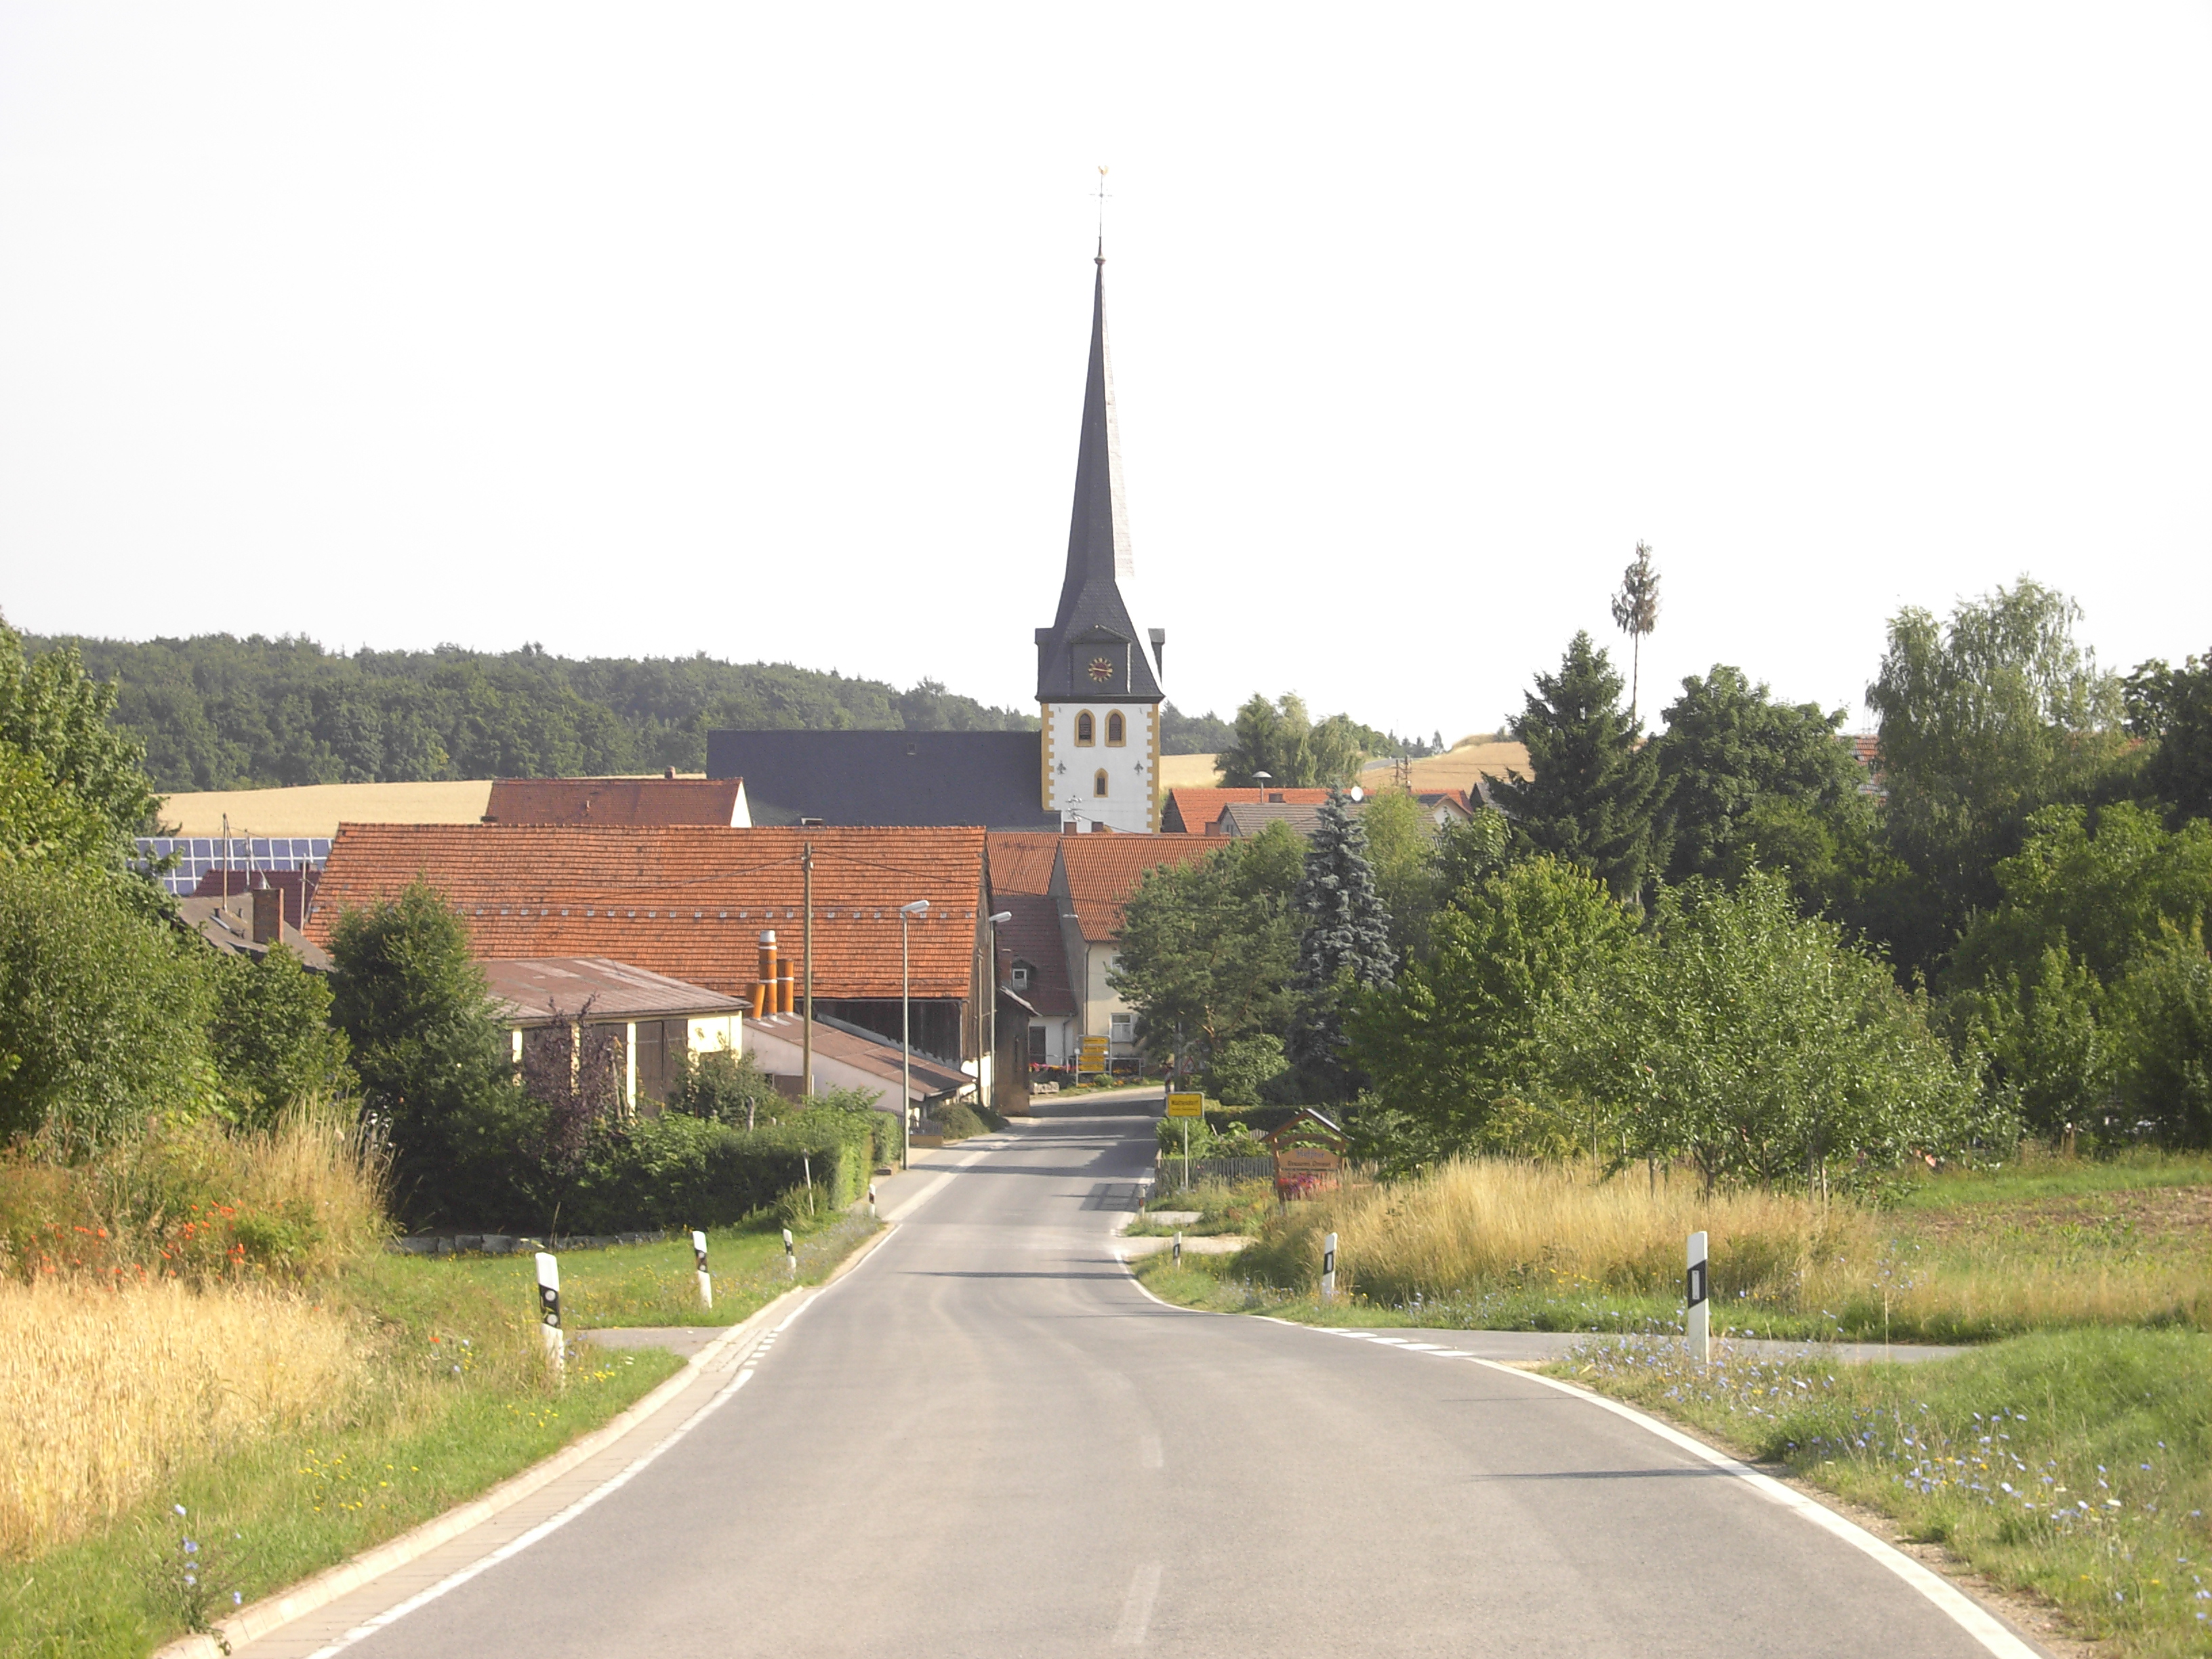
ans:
(987, 1440)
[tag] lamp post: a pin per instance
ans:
(990, 1055)
(907, 914)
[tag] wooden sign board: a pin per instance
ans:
(1309, 1154)
(1186, 1105)
(1310, 1129)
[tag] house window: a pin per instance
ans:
(1022, 971)
(1086, 733)
(1098, 783)
(1123, 1032)
(1116, 733)
(1040, 1052)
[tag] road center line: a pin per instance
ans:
(1137, 1606)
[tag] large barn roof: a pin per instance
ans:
(991, 779)
(684, 901)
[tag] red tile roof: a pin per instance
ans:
(1034, 935)
(1103, 871)
(689, 902)
(1021, 861)
(1190, 810)
(615, 800)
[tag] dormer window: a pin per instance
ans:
(1116, 732)
(1098, 783)
(1022, 971)
(1086, 731)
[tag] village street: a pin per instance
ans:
(988, 1439)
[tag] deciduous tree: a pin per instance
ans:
(1209, 949)
(433, 1064)
(1282, 740)
(1983, 719)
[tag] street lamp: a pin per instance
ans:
(907, 914)
(990, 1055)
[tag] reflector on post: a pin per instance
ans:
(1696, 1296)
(549, 1307)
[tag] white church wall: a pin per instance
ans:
(1130, 803)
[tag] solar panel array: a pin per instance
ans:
(196, 855)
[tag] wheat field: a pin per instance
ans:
(104, 1392)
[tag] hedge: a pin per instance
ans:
(676, 1170)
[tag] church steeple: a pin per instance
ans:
(1092, 650)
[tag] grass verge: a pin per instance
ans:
(2074, 1465)
(1970, 1257)
(446, 1397)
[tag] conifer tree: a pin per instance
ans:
(1346, 942)
(1595, 796)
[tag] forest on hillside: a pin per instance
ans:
(216, 711)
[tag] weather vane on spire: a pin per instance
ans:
(1102, 213)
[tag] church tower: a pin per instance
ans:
(1099, 692)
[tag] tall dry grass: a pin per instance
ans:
(155, 1310)
(1485, 1223)
(105, 1392)
(200, 1202)
(1476, 1226)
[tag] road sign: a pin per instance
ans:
(1186, 1105)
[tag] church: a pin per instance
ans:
(1095, 764)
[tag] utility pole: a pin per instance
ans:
(907, 914)
(807, 954)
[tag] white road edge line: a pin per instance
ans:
(552, 1523)
(515, 1546)
(1954, 1603)
(1961, 1608)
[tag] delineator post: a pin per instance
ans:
(549, 1307)
(1696, 1293)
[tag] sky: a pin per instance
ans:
(759, 330)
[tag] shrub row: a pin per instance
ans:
(677, 1171)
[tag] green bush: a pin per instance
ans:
(272, 1038)
(103, 1013)
(729, 1088)
(678, 1170)
(1244, 1067)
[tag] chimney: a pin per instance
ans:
(764, 992)
(670, 773)
(268, 914)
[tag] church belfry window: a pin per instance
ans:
(1086, 731)
(1098, 783)
(1116, 733)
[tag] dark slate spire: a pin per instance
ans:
(1092, 650)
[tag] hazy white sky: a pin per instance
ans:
(759, 329)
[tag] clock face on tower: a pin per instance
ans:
(1102, 669)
